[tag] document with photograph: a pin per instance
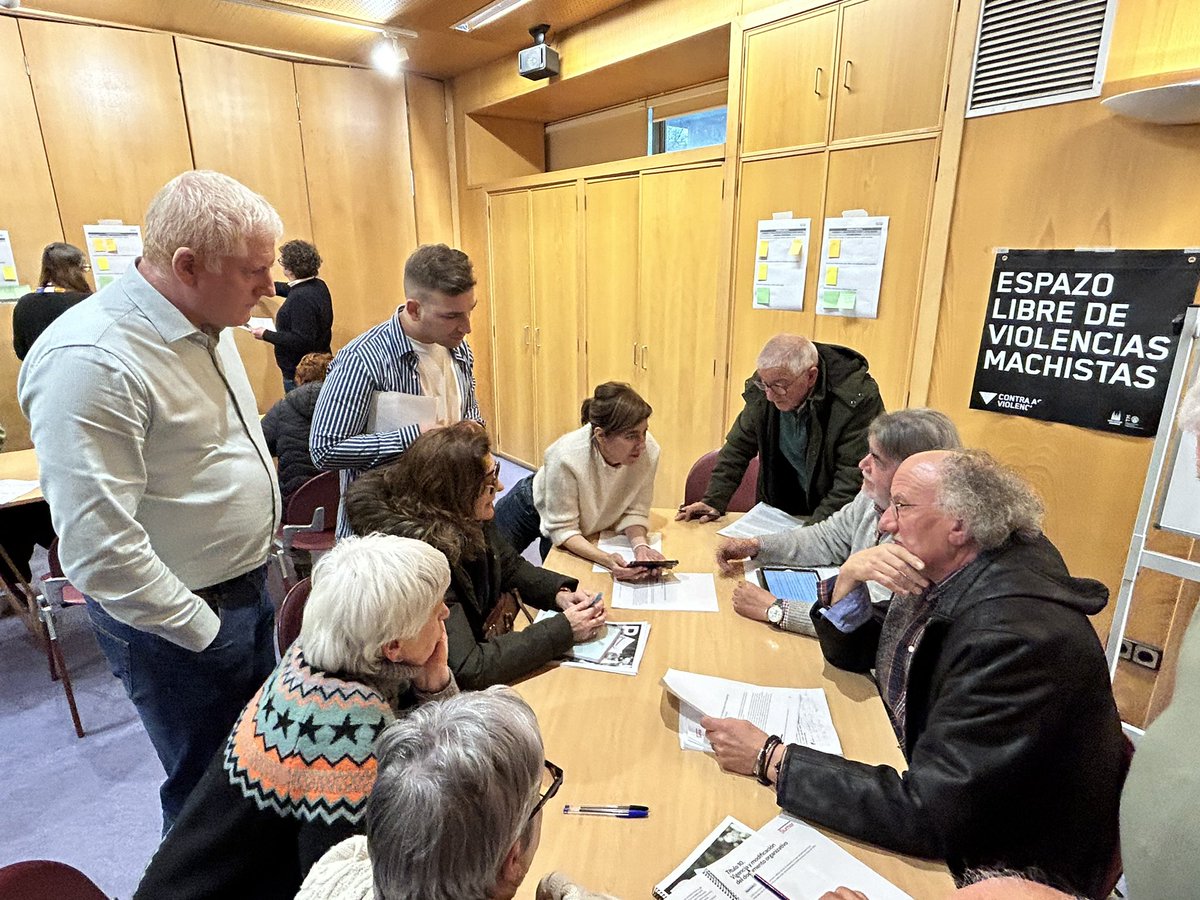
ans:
(762, 519)
(618, 543)
(392, 410)
(794, 859)
(797, 715)
(719, 842)
(619, 649)
(679, 591)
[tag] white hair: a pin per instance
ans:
(992, 500)
(366, 592)
(793, 352)
(456, 784)
(1189, 411)
(212, 214)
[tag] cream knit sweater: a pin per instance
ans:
(577, 492)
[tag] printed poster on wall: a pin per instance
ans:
(1083, 337)
(781, 263)
(10, 287)
(852, 254)
(112, 248)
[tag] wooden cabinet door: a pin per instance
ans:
(611, 281)
(515, 428)
(795, 183)
(789, 78)
(556, 332)
(679, 262)
(892, 66)
(893, 180)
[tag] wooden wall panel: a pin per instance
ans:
(473, 227)
(429, 129)
(112, 117)
(355, 130)
(611, 280)
(886, 180)
(795, 184)
(243, 121)
(28, 211)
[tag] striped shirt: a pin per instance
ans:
(381, 359)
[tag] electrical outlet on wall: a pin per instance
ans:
(1145, 655)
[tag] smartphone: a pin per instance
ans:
(653, 563)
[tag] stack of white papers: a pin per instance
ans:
(796, 860)
(797, 715)
(618, 543)
(762, 519)
(12, 488)
(619, 649)
(696, 592)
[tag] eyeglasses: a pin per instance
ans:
(778, 387)
(493, 475)
(898, 505)
(86, 267)
(552, 779)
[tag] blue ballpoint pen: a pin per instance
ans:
(630, 811)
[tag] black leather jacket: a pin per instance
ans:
(1013, 740)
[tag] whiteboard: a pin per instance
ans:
(1181, 499)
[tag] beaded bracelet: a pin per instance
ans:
(764, 757)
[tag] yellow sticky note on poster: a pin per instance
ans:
(10, 273)
(831, 273)
(835, 248)
(797, 247)
(763, 247)
(110, 244)
(98, 245)
(762, 271)
(102, 263)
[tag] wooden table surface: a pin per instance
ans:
(22, 465)
(617, 741)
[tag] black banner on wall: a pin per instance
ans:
(1083, 337)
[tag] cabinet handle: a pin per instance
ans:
(526, 330)
(635, 354)
(817, 80)
(846, 77)
(644, 349)
(537, 338)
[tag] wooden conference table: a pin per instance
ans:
(616, 737)
(21, 465)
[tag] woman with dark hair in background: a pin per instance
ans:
(595, 478)
(304, 324)
(61, 284)
(442, 491)
(287, 424)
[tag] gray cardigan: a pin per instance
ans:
(827, 543)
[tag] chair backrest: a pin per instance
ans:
(320, 491)
(56, 570)
(291, 614)
(697, 483)
(37, 879)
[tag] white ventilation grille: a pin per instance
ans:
(1038, 52)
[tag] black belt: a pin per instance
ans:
(231, 594)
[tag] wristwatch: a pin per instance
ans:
(775, 613)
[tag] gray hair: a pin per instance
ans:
(793, 352)
(366, 592)
(1033, 881)
(456, 783)
(210, 213)
(1189, 411)
(993, 501)
(902, 433)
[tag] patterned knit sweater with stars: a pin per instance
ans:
(291, 781)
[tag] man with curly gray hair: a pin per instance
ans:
(993, 678)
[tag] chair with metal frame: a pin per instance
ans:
(36, 879)
(743, 498)
(291, 615)
(58, 594)
(308, 524)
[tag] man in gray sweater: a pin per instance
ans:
(850, 538)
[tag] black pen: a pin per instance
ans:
(628, 811)
(770, 887)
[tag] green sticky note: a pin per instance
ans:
(762, 296)
(847, 299)
(830, 299)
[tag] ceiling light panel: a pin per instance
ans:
(486, 15)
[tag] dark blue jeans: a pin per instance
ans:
(517, 518)
(188, 701)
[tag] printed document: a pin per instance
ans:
(682, 591)
(795, 859)
(392, 410)
(12, 488)
(618, 649)
(260, 322)
(762, 519)
(618, 543)
(717, 845)
(798, 715)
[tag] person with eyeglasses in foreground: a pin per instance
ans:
(807, 409)
(293, 777)
(993, 678)
(456, 811)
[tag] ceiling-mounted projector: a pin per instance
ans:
(540, 60)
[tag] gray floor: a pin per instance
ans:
(90, 802)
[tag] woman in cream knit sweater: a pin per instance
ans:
(599, 477)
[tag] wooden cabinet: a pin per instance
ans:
(886, 180)
(611, 213)
(891, 66)
(881, 62)
(789, 78)
(535, 319)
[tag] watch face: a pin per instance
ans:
(774, 613)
